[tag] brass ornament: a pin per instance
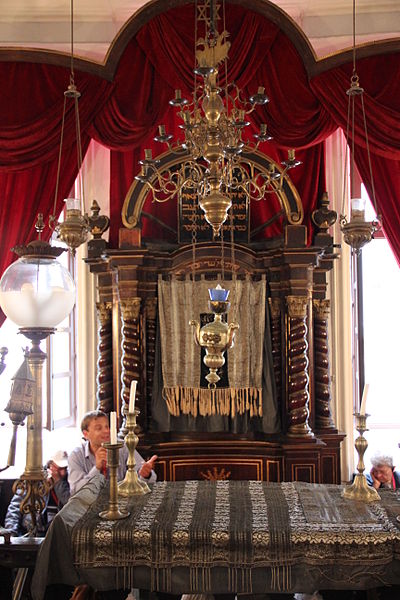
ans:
(113, 513)
(216, 474)
(98, 224)
(324, 217)
(213, 153)
(358, 232)
(360, 490)
(215, 337)
(73, 231)
(131, 484)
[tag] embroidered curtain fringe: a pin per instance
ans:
(221, 401)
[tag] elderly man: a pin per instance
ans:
(382, 474)
(90, 458)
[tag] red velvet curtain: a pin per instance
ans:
(380, 78)
(163, 56)
(124, 116)
(31, 106)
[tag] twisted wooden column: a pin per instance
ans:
(297, 375)
(130, 358)
(276, 342)
(323, 415)
(151, 316)
(104, 376)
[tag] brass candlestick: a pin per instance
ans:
(359, 489)
(131, 485)
(113, 512)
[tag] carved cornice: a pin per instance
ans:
(104, 312)
(322, 308)
(130, 308)
(297, 306)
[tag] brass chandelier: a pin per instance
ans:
(213, 152)
(357, 231)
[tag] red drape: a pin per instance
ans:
(380, 78)
(31, 106)
(123, 115)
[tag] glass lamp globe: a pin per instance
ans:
(37, 292)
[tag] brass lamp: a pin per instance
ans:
(214, 164)
(357, 231)
(215, 337)
(36, 293)
(73, 229)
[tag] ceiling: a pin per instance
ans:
(45, 24)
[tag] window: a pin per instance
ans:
(60, 407)
(380, 292)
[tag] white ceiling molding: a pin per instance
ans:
(326, 23)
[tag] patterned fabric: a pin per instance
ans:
(181, 357)
(241, 526)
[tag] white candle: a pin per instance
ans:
(364, 399)
(132, 396)
(113, 427)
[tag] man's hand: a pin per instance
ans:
(375, 483)
(101, 458)
(147, 467)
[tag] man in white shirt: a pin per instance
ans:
(90, 458)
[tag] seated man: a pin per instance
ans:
(382, 474)
(90, 458)
(20, 523)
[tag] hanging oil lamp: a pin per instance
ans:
(215, 337)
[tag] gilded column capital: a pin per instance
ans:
(322, 308)
(275, 306)
(104, 312)
(297, 306)
(130, 308)
(151, 308)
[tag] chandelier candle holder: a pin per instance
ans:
(113, 513)
(215, 337)
(213, 152)
(357, 232)
(132, 485)
(360, 490)
(74, 229)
